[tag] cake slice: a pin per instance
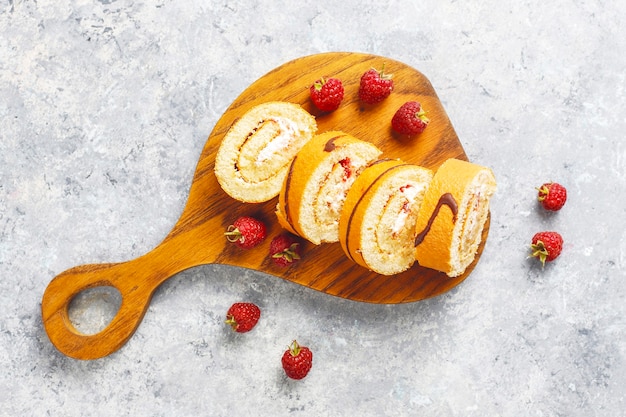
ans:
(377, 223)
(314, 190)
(452, 217)
(254, 156)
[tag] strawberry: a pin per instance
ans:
(552, 196)
(546, 246)
(284, 249)
(410, 119)
(242, 317)
(375, 86)
(246, 232)
(327, 93)
(297, 361)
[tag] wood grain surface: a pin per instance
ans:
(197, 237)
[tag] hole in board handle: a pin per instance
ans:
(91, 310)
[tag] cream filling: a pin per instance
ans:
(472, 214)
(287, 132)
(410, 193)
(331, 197)
(336, 196)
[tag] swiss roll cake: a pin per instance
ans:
(451, 219)
(254, 156)
(377, 223)
(317, 182)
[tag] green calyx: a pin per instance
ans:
(540, 251)
(294, 348)
(319, 84)
(543, 193)
(382, 74)
(230, 320)
(289, 254)
(232, 234)
(421, 114)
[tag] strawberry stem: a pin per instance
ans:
(232, 234)
(319, 84)
(543, 193)
(294, 348)
(382, 73)
(289, 254)
(230, 320)
(540, 251)
(422, 115)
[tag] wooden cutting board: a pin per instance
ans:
(197, 238)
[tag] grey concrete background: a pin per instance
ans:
(106, 105)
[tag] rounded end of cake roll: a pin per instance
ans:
(317, 182)
(254, 156)
(452, 217)
(282, 219)
(377, 224)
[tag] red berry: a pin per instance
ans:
(284, 249)
(242, 317)
(375, 86)
(546, 246)
(327, 93)
(552, 196)
(246, 232)
(410, 119)
(347, 168)
(297, 361)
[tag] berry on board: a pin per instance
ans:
(375, 86)
(410, 119)
(246, 232)
(284, 249)
(327, 94)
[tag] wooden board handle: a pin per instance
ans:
(135, 280)
(65, 286)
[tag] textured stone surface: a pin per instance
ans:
(105, 107)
